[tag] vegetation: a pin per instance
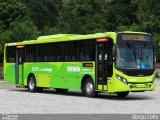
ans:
(28, 19)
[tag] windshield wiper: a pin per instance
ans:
(134, 53)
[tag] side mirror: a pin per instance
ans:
(114, 51)
(155, 59)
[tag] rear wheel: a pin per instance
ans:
(32, 84)
(89, 89)
(61, 90)
(123, 94)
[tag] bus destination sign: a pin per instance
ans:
(102, 40)
(133, 37)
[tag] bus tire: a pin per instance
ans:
(32, 84)
(89, 89)
(59, 90)
(122, 94)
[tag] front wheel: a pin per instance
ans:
(123, 94)
(89, 89)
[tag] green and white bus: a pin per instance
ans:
(113, 62)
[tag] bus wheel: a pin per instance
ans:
(32, 84)
(123, 94)
(89, 88)
(61, 90)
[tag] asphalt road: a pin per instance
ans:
(20, 101)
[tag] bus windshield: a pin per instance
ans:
(134, 56)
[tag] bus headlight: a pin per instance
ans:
(121, 79)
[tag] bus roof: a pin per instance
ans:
(59, 38)
(69, 37)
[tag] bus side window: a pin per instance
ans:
(30, 53)
(82, 56)
(69, 51)
(55, 50)
(42, 53)
(10, 53)
(86, 50)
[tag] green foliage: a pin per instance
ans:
(18, 31)
(148, 15)
(27, 19)
(11, 10)
(43, 12)
(156, 38)
(14, 23)
(84, 16)
(120, 13)
(133, 27)
(149, 20)
(50, 31)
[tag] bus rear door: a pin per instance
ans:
(19, 65)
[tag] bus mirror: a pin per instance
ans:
(113, 51)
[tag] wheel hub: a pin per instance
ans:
(89, 87)
(31, 84)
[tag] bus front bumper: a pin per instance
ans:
(131, 86)
(135, 87)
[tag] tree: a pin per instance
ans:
(83, 16)
(133, 27)
(18, 31)
(156, 38)
(43, 12)
(120, 13)
(148, 15)
(11, 10)
(149, 19)
(15, 24)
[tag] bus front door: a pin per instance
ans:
(101, 65)
(19, 65)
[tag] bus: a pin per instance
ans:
(113, 62)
